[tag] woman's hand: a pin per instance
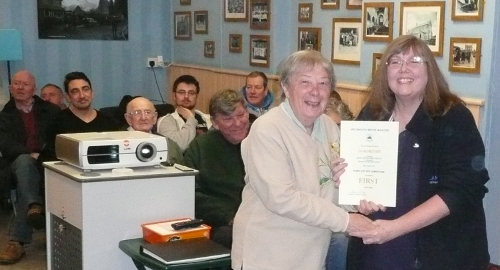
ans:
(367, 207)
(358, 223)
(381, 232)
(338, 168)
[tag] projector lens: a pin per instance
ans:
(146, 152)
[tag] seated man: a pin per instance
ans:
(185, 123)
(257, 95)
(141, 116)
(23, 123)
(80, 116)
(218, 158)
(54, 94)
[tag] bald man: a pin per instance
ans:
(141, 115)
(23, 124)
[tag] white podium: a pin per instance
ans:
(88, 214)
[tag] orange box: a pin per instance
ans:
(159, 232)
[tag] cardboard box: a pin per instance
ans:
(159, 232)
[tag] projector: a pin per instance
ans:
(110, 150)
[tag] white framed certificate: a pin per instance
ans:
(370, 149)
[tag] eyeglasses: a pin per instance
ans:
(413, 62)
(183, 93)
(139, 113)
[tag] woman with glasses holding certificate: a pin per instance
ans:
(438, 221)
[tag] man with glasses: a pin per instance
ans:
(183, 125)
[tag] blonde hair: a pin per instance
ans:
(339, 107)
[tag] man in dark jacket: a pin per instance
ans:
(23, 123)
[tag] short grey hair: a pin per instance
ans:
(305, 60)
(225, 102)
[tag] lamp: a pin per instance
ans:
(10, 47)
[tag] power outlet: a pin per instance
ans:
(153, 60)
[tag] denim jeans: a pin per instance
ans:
(337, 252)
(28, 178)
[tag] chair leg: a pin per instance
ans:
(13, 200)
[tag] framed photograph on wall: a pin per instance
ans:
(185, 2)
(465, 55)
(424, 20)
(309, 38)
(346, 45)
(305, 12)
(259, 50)
(182, 25)
(375, 62)
(378, 21)
(235, 10)
(467, 10)
(354, 4)
(201, 22)
(260, 17)
(209, 49)
(330, 4)
(235, 43)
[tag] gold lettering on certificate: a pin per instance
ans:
(366, 180)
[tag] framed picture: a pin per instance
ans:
(182, 25)
(209, 49)
(185, 2)
(378, 21)
(309, 38)
(424, 20)
(330, 4)
(346, 46)
(201, 22)
(354, 4)
(235, 10)
(235, 43)
(465, 55)
(305, 12)
(260, 14)
(467, 10)
(375, 62)
(259, 50)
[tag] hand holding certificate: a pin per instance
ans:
(370, 148)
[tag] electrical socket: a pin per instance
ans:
(154, 60)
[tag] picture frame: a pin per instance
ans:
(330, 4)
(209, 49)
(201, 22)
(235, 43)
(346, 37)
(378, 21)
(468, 10)
(259, 50)
(185, 2)
(375, 62)
(354, 4)
(182, 25)
(305, 12)
(235, 10)
(465, 55)
(424, 20)
(309, 38)
(260, 14)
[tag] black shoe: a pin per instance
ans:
(36, 216)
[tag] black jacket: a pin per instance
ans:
(452, 167)
(12, 131)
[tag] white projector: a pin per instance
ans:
(110, 150)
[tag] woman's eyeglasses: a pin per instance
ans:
(413, 62)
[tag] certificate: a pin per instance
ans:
(370, 149)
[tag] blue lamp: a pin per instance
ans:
(10, 47)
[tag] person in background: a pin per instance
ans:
(23, 124)
(439, 220)
(217, 156)
(141, 116)
(256, 93)
(54, 94)
(337, 110)
(80, 116)
(288, 209)
(183, 125)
